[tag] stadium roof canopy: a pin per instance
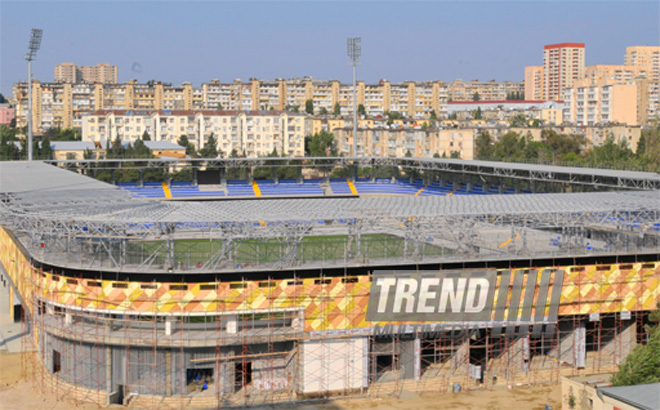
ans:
(43, 203)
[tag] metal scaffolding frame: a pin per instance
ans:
(505, 171)
(107, 229)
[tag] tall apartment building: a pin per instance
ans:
(534, 82)
(460, 90)
(100, 73)
(647, 58)
(606, 101)
(613, 72)
(255, 133)
(563, 64)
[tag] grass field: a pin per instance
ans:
(267, 251)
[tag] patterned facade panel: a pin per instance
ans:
(327, 303)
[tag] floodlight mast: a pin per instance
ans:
(354, 53)
(33, 47)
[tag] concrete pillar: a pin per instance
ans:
(68, 318)
(108, 369)
(223, 176)
(168, 372)
(170, 326)
(297, 321)
(232, 324)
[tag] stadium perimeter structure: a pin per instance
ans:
(213, 304)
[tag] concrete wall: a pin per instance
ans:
(333, 365)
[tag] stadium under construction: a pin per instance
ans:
(251, 300)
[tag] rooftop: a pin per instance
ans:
(641, 396)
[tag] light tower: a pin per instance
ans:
(354, 53)
(33, 47)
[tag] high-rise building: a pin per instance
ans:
(100, 73)
(606, 101)
(563, 64)
(613, 72)
(534, 82)
(647, 58)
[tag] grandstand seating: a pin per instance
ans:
(291, 187)
(340, 187)
(185, 189)
(270, 188)
(148, 190)
(239, 188)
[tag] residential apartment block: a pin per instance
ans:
(614, 72)
(399, 141)
(63, 104)
(548, 112)
(460, 90)
(563, 64)
(646, 58)
(254, 133)
(7, 114)
(100, 73)
(534, 83)
(606, 101)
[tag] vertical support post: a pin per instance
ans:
(29, 114)
(168, 372)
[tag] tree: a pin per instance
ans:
(189, 146)
(138, 150)
(210, 149)
(309, 107)
(477, 114)
(433, 115)
(145, 136)
(642, 365)
(323, 111)
(2, 99)
(8, 149)
(45, 152)
(393, 115)
(519, 120)
(336, 110)
(117, 150)
(361, 110)
(68, 134)
(321, 144)
(484, 145)
(219, 107)
(476, 97)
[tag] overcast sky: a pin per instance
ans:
(176, 41)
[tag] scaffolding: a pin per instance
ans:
(232, 356)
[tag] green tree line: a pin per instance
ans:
(563, 149)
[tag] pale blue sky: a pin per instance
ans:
(177, 41)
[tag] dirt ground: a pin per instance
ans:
(521, 398)
(17, 394)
